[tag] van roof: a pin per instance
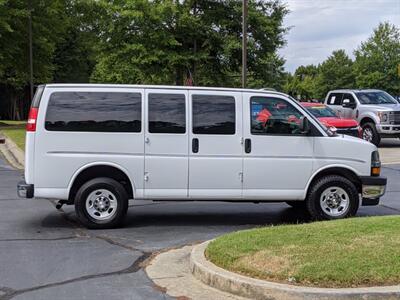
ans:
(80, 85)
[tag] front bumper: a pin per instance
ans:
(352, 131)
(388, 129)
(25, 190)
(372, 189)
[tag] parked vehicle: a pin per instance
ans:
(377, 112)
(96, 146)
(331, 120)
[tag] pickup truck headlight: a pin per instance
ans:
(375, 163)
(383, 116)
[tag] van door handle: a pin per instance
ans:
(247, 145)
(195, 145)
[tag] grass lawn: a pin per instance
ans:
(344, 253)
(15, 130)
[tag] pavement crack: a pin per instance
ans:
(389, 207)
(116, 243)
(133, 268)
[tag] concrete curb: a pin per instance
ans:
(221, 279)
(12, 153)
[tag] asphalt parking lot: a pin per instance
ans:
(45, 254)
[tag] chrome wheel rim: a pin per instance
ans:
(101, 204)
(335, 201)
(368, 134)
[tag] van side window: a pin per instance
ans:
(213, 114)
(273, 116)
(167, 113)
(335, 99)
(94, 112)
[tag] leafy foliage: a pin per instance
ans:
(376, 65)
(377, 61)
(164, 41)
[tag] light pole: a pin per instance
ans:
(30, 48)
(244, 43)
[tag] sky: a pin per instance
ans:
(321, 26)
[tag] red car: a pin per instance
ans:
(329, 118)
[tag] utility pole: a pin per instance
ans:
(30, 48)
(244, 43)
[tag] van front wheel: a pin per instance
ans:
(332, 197)
(101, 203)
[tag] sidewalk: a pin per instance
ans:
(12, 153)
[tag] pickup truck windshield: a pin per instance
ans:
(375, 98)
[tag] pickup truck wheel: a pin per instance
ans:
(370, 133)
(101, 203)
(332, 197)
(297, 204)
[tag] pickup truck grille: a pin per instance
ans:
(394, 118)
(353, 131)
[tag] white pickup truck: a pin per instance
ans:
(377, 112)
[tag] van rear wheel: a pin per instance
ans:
(101, 203)
(332, 197)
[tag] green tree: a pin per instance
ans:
(302, 84)
(334, 73)
(47, 24)
(74, 56)
(164, 41)
(377, 60)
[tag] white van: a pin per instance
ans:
(97, 146)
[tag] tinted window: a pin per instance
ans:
(167, 113)
(213, 114)
(94, 112)
(350, 97)
(335, 99)
(274, 116)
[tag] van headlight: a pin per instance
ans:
(375, 163)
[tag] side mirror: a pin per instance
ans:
(304, 125)
(347, 103)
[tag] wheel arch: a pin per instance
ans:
(340, 170)
(367, 119)
(100, 169)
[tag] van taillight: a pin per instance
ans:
(32, 117)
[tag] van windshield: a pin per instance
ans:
(375, 98)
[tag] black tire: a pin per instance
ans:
(376, 138)
(110, 185)
(297, 204)
(313, 203)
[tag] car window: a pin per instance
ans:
(321, 111)
(213, 114)
(94, 112)
(335, 99)
(167, 113)
(350, 97)
(274, 116)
